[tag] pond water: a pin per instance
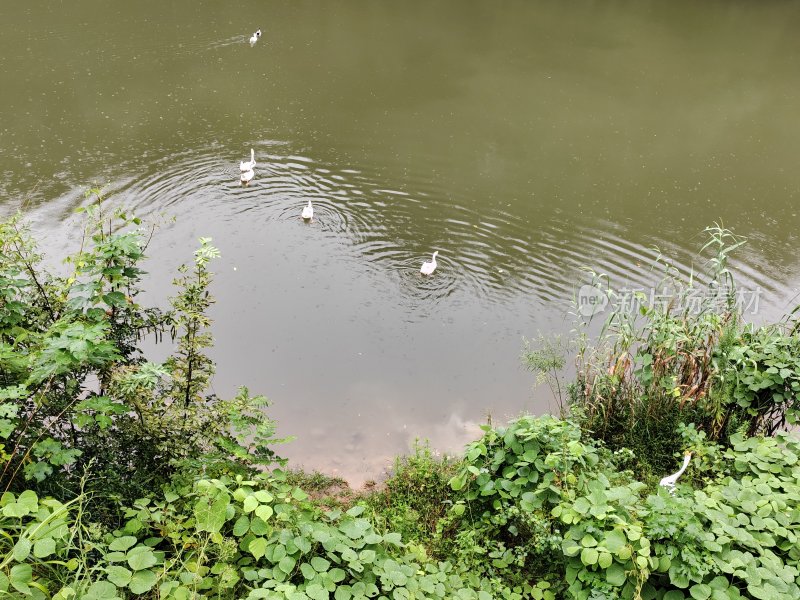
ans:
(524, 141)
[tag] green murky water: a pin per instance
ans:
(523, 140)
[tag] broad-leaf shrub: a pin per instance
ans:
(762, 378)
(224, 538)
(261, 538)
(549, 505)
(37, 536)
(736, 537)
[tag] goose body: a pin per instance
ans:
(254, 37)
(669, 481)
(248, 165)
(308, 211)
(247, 176)
(429, 267)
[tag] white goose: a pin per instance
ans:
(247, 176)
(669, 481)
(248, 165)
(308, 212)
(254, 37)
(429, 267)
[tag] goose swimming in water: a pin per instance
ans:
(248, 165)
(247, 176)
(429, 267)
(254, 37)
(308, 211)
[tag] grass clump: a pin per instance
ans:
(416, 494)
(324, 490)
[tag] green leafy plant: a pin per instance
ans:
(546, 358)
(734, 537)
(737, 537)
(262, 538)
(761, 379)
(415, 496)
(685, 357)
(126, 478)
(77, 390)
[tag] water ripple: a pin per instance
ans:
(493, 255)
